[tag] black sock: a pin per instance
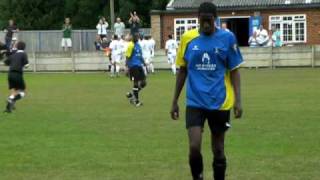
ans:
(196, 165)
(17, 97)
(219, 168)
(135, 92)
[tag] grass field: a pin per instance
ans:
(81, 127)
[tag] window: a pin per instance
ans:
(293, 27)
(182, 25)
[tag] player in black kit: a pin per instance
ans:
(16, 63)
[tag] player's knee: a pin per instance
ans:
(194, 149)
(143, 84)
(219, 153)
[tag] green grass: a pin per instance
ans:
(81, 127)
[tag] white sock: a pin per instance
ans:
(112, 69)
(117, 69)
(11, 97)
(174, 70)
(151, 68)
(22, 94)
(145, 70)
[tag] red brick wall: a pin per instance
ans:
(313, 21)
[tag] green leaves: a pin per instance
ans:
(43, 14)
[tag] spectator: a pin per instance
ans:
(270, 42)
(134, 22)
(3, 50)
(10, 30)
(262, 36)
(102, 28)
(97, 43)
(224, 26)
(253, 40)
(119, 27)
(66, 42)
(276, 37)
(105, 43)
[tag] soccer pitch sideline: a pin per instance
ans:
(81, 127)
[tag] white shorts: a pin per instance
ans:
(116, 59)
(147, 59)
(66, 42)
(171, 59)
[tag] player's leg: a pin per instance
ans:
(130, 94)
(151, 66)
(18, 92)
(139, 83)
(195, 119)
(173, 65)
(219, 123)
(112, 67)
(19, 95)
(145, 67)
(10, 101)
(118, 68)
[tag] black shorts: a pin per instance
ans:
(218, 120)
(136, 74)
(16, 81)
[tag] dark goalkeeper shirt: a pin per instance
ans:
(17, 61)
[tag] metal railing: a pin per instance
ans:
(50, 41)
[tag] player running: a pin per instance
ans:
(147, 52)
(209, 59)
(171, 52)
(16, 63)
(116, 48)
(151, 48)
(135, 64)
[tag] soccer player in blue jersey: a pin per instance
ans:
(209, 59)
(135, 64)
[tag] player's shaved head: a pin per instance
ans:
(208, 8)
(207, 14)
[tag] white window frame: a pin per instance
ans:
(279, 19)
(185, 25)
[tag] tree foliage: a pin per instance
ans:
(44, 14)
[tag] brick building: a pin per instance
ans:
(298, 20)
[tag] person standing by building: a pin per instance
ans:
(262, 36)
(134, 22)
(66, 42)
(119, 27)
(102, 27)
(209, 59)
(224, 26)
(276, 37)
(10, 33)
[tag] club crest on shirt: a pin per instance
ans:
(195, 48)
(206, 64)
(206, 58)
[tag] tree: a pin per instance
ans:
(84, 14)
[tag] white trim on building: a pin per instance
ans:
(293, 27)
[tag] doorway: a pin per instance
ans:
(240, 27)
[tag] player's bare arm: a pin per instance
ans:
(236, 83)
(180, 81)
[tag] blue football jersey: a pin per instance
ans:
(209, 60)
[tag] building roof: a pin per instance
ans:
(242, 4)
